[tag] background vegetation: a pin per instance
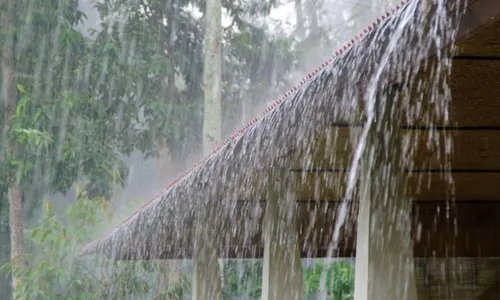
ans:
(56, 271)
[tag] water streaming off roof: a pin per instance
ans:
(373, 121)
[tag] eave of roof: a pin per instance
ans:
(229, 146)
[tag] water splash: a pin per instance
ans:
(395, 52)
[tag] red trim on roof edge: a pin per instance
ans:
(255, 120)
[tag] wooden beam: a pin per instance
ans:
(427, 185)
(427, 148)
(440, 229)
(470, 106)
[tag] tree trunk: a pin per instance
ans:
(207, 283)
(212, 43)
(299, 16)
(312, 15)
(17, 251)
(14, 193)
(315, 54)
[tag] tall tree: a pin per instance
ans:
(12, 148)
(299, 18)
(312, 16)
(78, 103)
(53, 132)
(212, 75)
(161, 83)
(207, 273)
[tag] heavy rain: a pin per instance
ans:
(271, 149)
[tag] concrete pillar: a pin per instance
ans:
(207, 282)
(384, 254)
(282, 269)
(167, 167)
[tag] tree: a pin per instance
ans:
(172, 116)
(212, 75)
(12, 148)
(206, 278)
(79, 103)
(299, 18)
(56, 272)
(53, 131)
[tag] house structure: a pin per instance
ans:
(389, 152)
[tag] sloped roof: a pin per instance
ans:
(162, 227)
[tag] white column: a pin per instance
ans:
(282, 269)
(207, 283)
(384, 251)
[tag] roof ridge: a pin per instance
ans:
(270, 108)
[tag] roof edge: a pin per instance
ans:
(254, 121)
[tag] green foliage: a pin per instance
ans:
(339, 280)
(139, 82)
(164, 78)
(176, 291)
(81, 103)
(66, 154)
(243, 280)
(256, 67)
(56, 272)
(61, 130)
